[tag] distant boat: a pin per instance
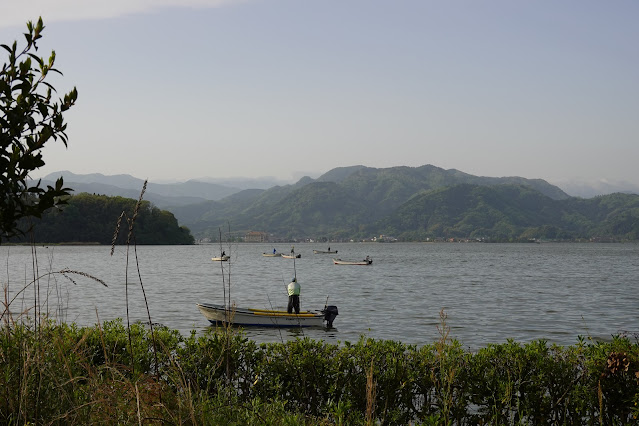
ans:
(272, 254)
(267, 317)
(291, 256)
(367, 261)
(325, 251)
(223, 258)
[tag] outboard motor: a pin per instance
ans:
(330, 312)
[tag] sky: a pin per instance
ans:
(185, 89)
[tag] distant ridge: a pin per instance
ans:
(339, 174)
(512, 212)
(589, 189)
(342, 202)
(359, 201)
(162, 195)
(120, 181)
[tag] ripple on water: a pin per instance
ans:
(490, 292)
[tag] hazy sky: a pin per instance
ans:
(192, 88)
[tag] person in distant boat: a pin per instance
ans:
(294, 296)
(329, 249)
(223, 253)
(273, 250)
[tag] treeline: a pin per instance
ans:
(500, 213)
(418, 204)
(512, 213)
(341, 204)
(108, 374)
(93, 218)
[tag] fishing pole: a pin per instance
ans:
(294, 268)
(269, 302)
(284, 282)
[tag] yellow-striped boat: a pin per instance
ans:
(267, 317)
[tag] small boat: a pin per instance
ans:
(367, 261)
(291, 256)
(267, 317)
(272, 254)
(222, 258)
(329, 251)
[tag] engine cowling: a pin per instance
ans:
(330, 312)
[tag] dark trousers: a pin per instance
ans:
(294, 303)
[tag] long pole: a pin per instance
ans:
(227, 306)
(294, 269)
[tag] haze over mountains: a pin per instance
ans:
(162, 195)
(168, 195)
(193, 191)
(414, 203)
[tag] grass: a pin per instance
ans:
(110, 373)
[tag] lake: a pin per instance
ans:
(489, 292)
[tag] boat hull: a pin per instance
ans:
(272, 254)
(217, 314)
(347, 262)
(325, 251)
(221, 258)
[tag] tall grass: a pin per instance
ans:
(61, 373)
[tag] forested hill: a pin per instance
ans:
(410, 204)
(512, 213)
(92, 219)
(344, 203)
(465, 211)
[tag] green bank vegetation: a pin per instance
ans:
(110, 374)
(89, 218)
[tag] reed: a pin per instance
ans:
(370, 395)
(60, 374)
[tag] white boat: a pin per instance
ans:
(221, 258)
(367, 261)
(272, 254)
(291, 256)
(267, 317)
(325, 251)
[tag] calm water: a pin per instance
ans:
(490, 292)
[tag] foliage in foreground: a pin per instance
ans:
(29, 119)
(60, 374)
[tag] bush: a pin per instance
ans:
(59, 373)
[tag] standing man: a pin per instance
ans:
(294, 296)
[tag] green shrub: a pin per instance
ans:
(61, 374)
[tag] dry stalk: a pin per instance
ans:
(135, 213)
(137, 403)
(117, 231)
(600, 398)
(444, 331)
(64, 272)
(446, 372)
(371, 391)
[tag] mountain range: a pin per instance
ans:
(412, 203)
